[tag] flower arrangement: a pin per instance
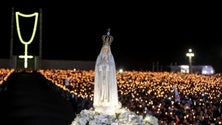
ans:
(121, 117)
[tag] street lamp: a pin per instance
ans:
(190, 54)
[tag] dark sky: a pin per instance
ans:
(144, 33)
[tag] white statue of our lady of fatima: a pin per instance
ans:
(105, 83)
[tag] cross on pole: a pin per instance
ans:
(190, 54)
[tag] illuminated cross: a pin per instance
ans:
(190, 54)
(26, 43)
(26, 56)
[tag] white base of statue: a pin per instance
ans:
(107, 108)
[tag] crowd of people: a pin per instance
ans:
(143, 92)
(4, 74)
(199, 103)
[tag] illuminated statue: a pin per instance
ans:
(105, 87)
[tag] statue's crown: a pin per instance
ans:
(107, 39)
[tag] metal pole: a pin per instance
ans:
(12, 61)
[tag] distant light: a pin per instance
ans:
(121, 70)
(184, 68)
(74, 69)
(190, 53)
(207, 70)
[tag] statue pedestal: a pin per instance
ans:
(107, 108)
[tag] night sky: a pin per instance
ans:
(144, 33)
